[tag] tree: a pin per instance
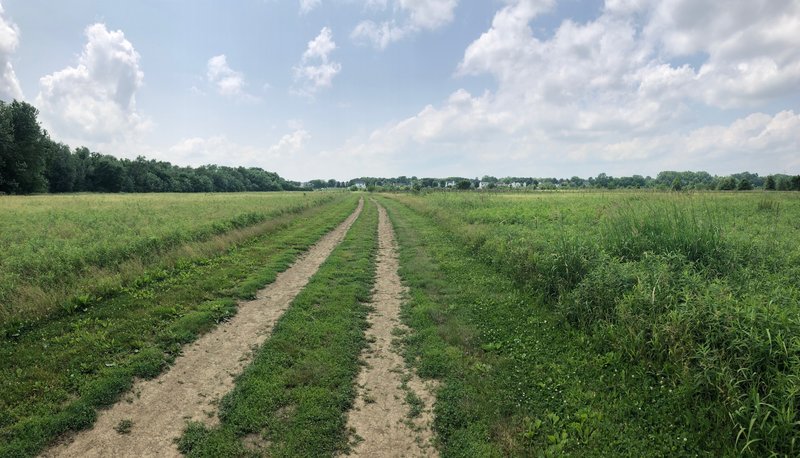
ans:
(727, 184)
(60, 169)
(22, 155)
(769, 184)
(745, 185)
(795, 183)
(676, 184)
(464, 184)
(106, 174)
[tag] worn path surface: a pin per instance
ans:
(382, 417)
(159, 408)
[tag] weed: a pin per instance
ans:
(124, 426)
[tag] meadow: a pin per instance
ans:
(59, 253)
(57, 371)
(694, 295)
(627, 323)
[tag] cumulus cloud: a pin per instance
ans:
(9, 40)
(411, 16)
(753, 46)
(225, 80)
(622, 88)
(95, 100)
(316, 71)
(290, 143)
(282, 156)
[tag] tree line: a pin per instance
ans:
(31, 162)
(667, 180)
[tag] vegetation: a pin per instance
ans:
(667, 180)
(593, 323)
(63, 253)
(30, 162)
(53, 376)
(294, 396)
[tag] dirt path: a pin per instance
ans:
(159, 408)
(392, 412)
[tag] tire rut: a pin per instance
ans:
(392, 413)
(190, 390)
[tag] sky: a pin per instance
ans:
(349, 88)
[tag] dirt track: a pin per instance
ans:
(380, 415)
(159, 408)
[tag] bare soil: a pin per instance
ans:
(156, 411)
(381, 419)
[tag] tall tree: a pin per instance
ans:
(769, 184)
(22, 156)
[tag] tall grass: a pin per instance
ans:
(702, 289)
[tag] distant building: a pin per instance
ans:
(483, 185)
(360, 185)
(450, 184)
(517, 184)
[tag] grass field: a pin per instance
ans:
(59, 253)
(55, 374)
(695, 297)
(564, 323)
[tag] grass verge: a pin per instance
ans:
(517, 381)
(54, 377)
(292, 400)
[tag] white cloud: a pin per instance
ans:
(281, 157)
(290, 143)
(94, 102)
(414, 15)
(316, 71)
(226, 81)
(752, 46)
(307, 5)
(621, 91)
(429, 14)
(9, 40)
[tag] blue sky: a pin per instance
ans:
(348, 88)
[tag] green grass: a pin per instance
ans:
(62, 252)
(55, 375)
(294, 396)
(606, 323)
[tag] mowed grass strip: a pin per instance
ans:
(515, 380)
(61, 253)
(292, 400)
(54, 377)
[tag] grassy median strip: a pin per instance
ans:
(53, 377)
(516, 381)
(292, 400)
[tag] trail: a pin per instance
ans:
(381, 417)
(190, 390)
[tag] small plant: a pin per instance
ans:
(768, 205)
(415, 404)
(124, 426)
